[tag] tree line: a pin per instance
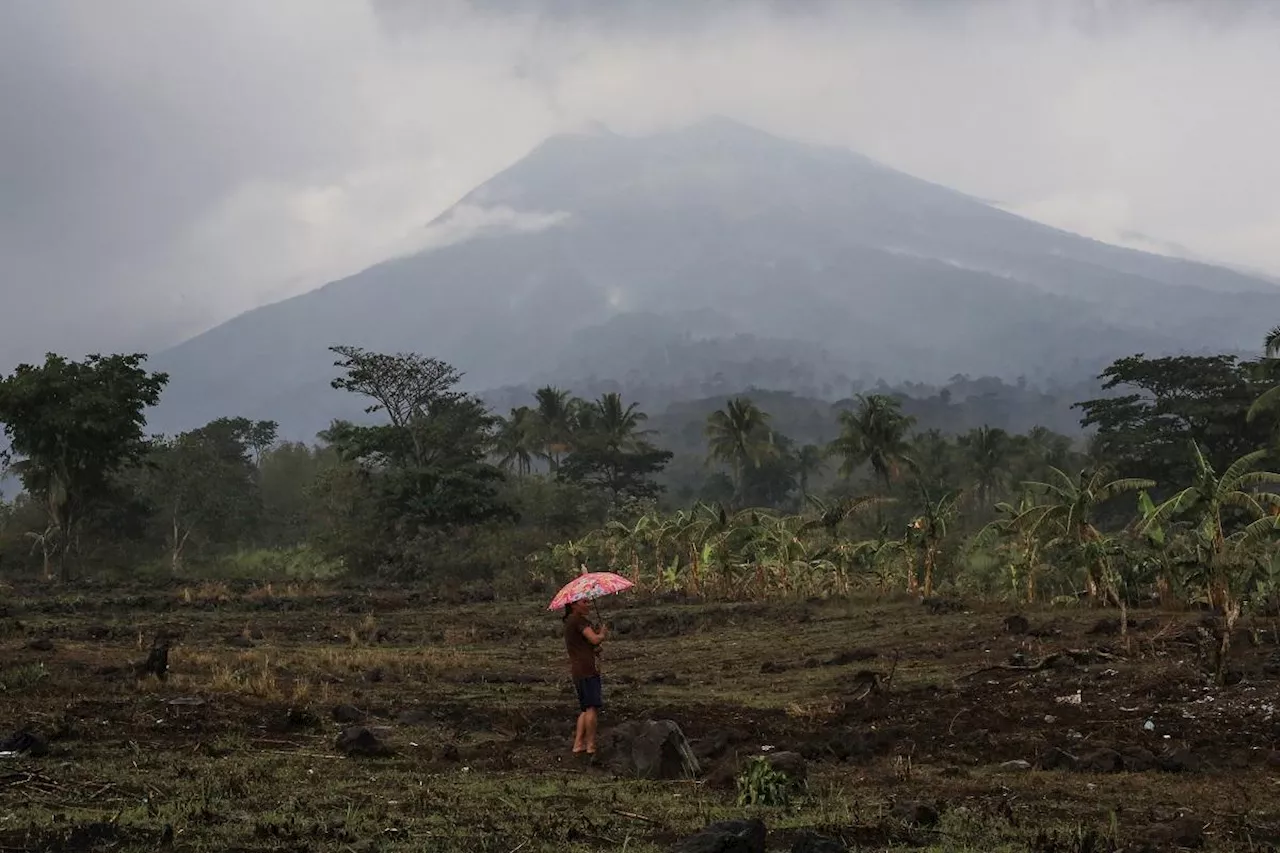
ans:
(433, 484)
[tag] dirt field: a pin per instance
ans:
(907, 719)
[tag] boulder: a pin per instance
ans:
(808, 842)
(360, 741)
(347, 714)
(733, 836)
(648, 750)
(26, 741)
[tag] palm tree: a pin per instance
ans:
(554, 410)
(1208, 505)
(516, 440)
(1064, 517)
(614, 424)
(875, 433)
(739, 436)
(987, 453)
(810, 461)
(1270, 399)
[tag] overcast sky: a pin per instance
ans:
(166, 165)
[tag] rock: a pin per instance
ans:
(360, 741)
(915, 813)
(240, 641)
(40, 644)
(301, 718)
(1137, 760)
(1016, 624)
(414, 717)
(771, 667)
(347, 714)
(1180, 761)
(446, 752)
(734, 836)
(1107, 626)
(1101, 761)
(649, 750)
(713, 747)
(1184, 832)
(24, 740)
(1017, 764)
(808, 842)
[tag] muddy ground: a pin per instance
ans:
(956, 729)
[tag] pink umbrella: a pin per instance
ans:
(588, 587)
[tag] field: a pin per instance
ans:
(908, 719)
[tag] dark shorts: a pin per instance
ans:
(590, 692)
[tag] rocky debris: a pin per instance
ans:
(808, 842)
(414, 717)
(240, 641)
(773, 667)
(648, 750)
(1186, 833)
(347, 714)
(939, 606)
(851, 656)
(25, 741)
(733, 836)
(363, 742)
(789, 764)
(1016, 624)
(40, 644)
(1130, 759)
(915, 813)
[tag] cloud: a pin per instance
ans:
(173, 164)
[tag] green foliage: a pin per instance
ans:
(301, 562)
(875, 433)
(762, 784)
(75, 426)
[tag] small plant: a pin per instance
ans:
(762, 784)
(21, 677)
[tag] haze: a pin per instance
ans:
(167, 166)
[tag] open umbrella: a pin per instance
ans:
(588, 587)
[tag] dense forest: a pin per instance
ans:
(745, 494)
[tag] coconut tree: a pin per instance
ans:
(1270, 399)
(516, 441)
(874, 433)
(1232, 524)
(554, 418)
(617, 425)
(810, 461)
(987, 451)
(739, 436)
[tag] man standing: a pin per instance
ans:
(582, 641)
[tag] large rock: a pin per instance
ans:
(733, 836)
(809, 842)
(361, 741)
(649, 750)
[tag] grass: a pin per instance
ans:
(481, 763)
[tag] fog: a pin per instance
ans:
(166, 166)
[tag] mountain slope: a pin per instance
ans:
(722, 232)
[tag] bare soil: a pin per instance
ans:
(961, 730)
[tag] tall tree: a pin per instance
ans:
(204, 484)
(739, 436)
(987, 452)
(516, 441)
(611, 452)
(555, 413)
(75, 425)
(426, 470)
(810, 461)
(1169, 402)
(875, 433)
(1269, 400)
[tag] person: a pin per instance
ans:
(582, 641)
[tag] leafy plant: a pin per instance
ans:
(762, 784)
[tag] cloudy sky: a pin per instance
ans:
(167, 165)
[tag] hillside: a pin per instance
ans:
(675, 260)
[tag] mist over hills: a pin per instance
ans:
(702, 261)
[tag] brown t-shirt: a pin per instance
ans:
(582, 652)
